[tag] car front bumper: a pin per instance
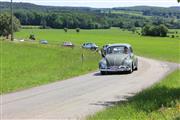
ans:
(116, 69)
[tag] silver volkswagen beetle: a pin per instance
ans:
(118, 58)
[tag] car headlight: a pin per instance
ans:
(127, 62)
(103, 64)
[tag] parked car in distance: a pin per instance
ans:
(118, 58)
(91, 46)
(68, 44)
(43, 42)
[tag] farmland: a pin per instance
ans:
(28, 64)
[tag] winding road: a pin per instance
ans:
(78, 97)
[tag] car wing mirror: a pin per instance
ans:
(102, 53)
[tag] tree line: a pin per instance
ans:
(154, 11)
(91, 18)
(147, 30)
(74, 20)
(62, 20)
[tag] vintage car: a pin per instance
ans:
(68, 44)
(118, 58)
(43, 42)
(91, 46)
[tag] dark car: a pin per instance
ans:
(91, 46)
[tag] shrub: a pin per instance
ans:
(65, 29)
(77, 30)
(152, 30)
(32, 37)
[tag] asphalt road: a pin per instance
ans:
(78, 97)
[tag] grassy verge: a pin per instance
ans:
(160, 102)
(25, 65)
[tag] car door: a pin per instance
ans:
(133, 57)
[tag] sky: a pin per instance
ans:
(102, 3)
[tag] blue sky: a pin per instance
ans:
(102, 3)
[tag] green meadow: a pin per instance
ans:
(26, 65)
(166, 48)
(29, 64)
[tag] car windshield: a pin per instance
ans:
(117, 50)
(67, 43)
(90, 44)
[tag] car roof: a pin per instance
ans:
(120, 44)
(89, 43)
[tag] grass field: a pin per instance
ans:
(25, 65)
(29, 64)
(133, 13)
(154, 47)
(160, 102)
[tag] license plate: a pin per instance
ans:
(114, 68)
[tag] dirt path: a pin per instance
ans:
(78, 97)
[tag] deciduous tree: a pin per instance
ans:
(5, 24)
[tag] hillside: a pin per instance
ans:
(93, 18)
(34, 7)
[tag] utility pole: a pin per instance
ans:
(12, 36)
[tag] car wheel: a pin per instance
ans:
(136, 68)
(103, 72)
(131, 70)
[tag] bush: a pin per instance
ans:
(65, 29)
(77, 30)
(133, 29)
(32, 37)
(152, 30)
(172, 36)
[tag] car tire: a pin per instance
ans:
(136, 68)
(131, 70)
(103, 72)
